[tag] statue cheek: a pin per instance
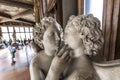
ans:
(65, 40)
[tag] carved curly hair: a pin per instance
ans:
(88, 27)
(38, 32)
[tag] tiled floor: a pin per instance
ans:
(16, 74)
(20, 70)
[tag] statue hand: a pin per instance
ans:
(61, 60)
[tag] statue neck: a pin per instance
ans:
(81, 56)
(78, 52)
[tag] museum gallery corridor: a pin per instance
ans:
(20, 70)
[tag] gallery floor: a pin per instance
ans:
(19, 71)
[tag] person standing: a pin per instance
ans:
(12, 51)
(10, 40)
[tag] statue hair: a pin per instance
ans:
(88, 27)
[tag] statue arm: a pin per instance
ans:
(36, 74)
(35, 71)
(52, 76)
(59, 63)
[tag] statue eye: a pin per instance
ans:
(36, 33)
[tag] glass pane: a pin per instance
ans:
(22, 36)
(17, 29)
(5, 36)
(95, 7)
(4, 29)
(21, 29)
(10, 29)
(26, 29)
(18, 36)
(31, 29)
(27, 36)
(31, 35)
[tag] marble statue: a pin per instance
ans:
(46, 43)
(83, 38)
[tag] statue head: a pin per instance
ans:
(84, 31)
(48, 34)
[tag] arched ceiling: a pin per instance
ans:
(25, 1)
(17, 10)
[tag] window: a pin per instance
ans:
(18, 36)
(31, 35)
(10, 29)
(21, 29)
(7, 32)
(22, 36)
(5, 36)
(16, 29)
(4, 29)
(26, 29)
(95, 7)
(27, 36)
(31, 29)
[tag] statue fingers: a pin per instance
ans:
(65, 55)
(62, 51)
(67, 58)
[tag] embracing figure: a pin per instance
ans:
(45, 45)
(84, 38)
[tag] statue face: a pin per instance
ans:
(73, 40)
(49, 41)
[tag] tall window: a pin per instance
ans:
(95, 7)
(22, 35)
(5, 32)
(21, 32)
(27, 32)
(31, 34)
(10, 32)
